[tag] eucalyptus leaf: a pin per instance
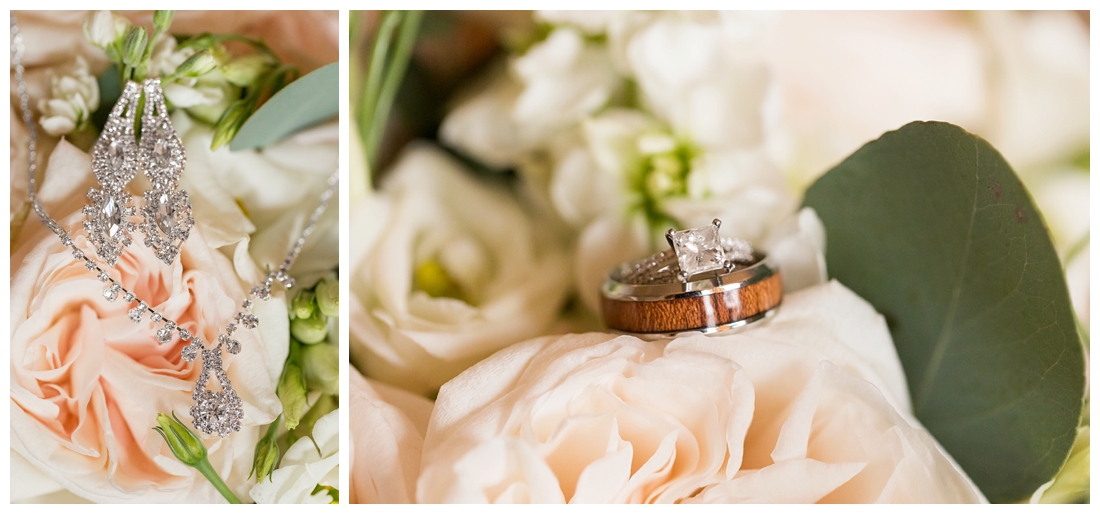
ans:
(301, 104)
(932, 226)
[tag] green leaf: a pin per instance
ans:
(931, 225)
(301, 104)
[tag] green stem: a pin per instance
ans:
(395, 72)
(207, 471)
(368, 100)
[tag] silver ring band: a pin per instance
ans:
(645, 296)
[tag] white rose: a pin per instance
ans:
(810, 405)
(455, 273)
(387, 433)
(73, 97)
(309, 463)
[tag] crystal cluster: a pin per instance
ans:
(216, 412)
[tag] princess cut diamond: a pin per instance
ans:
(698, 250)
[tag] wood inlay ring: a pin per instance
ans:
(747, 295)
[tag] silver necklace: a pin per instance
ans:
(217, 412)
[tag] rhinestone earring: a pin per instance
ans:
(166, 216)
(114, 163)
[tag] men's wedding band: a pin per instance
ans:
(645, 296)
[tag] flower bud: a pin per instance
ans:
(310, 330)
(201, 63)
(292, 393)
(328, 296)
(185, 445)
(133, 51)
(246, 70)
(104, 28)
(303, 304)
(229, 123)
(162, 20)
(321, 364)
(266, 455)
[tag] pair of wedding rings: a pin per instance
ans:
(703, 283)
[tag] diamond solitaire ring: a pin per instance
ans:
(704, 283)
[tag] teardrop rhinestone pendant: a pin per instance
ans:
(114, 163)
(216, 412)
(166, 217)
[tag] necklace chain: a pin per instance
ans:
(213, 412)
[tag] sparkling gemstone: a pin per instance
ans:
(165, 213)
(248, 320)
(188, 353)
(247, 304)
(115, 154)
(90, 265)
(160, 154)
(699, 250)
(185, 334)
(288, 282)
(77, 254)
(230, 328)
(156, 317)
(111, 293)
(261, 292)
(136, 312)
(103, 277)
(129, 296)
(110, 217)
(219, 413)
(233, 346)
(164, 335)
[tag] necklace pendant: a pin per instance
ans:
(216, 412)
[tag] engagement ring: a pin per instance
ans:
(704, 283)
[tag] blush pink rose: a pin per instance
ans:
(808, 406)
(87, 383)
(387, 433)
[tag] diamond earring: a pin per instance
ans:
(166, 216)
(114, 163)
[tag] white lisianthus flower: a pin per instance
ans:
(309, 463)
(809, 406)
(103, 28)
(73, 97)
(457, 271)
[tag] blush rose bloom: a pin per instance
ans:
(87, 383)
(808, 406)
(507, 282)
(387, 434)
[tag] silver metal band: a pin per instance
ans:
(645, 297)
